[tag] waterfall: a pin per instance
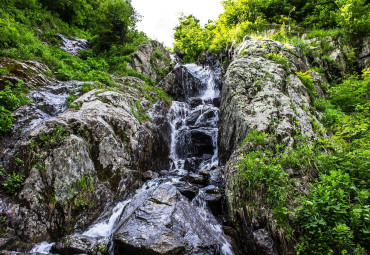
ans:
(193, 149)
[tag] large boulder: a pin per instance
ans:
(160, 220)
(152, 60)
(181, 84)
(262, 92)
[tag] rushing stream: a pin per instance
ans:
(177, 202)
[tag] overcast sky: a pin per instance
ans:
(161, 16)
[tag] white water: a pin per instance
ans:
(177, 117)
(42, 248)
(104, 228)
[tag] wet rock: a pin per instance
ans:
(78, 161)
(212, 196)
(149, 175)
(81, 245)
(47, 101)
(32, 73)
(217, 102)
(203, 116)
(202, 142)
(163, 223)
(194, 102)
(73, 45)
(264, 242)
(192, 164)
(151, 59)
(189, 190)
(181, 84)
(197, 179)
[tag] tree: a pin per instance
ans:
(113, 22)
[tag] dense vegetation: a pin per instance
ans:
(349, 18)
(334, 217)
(30, 28)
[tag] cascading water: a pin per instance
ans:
(159, 213)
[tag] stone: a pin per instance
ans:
(73, 45)
(81, 245)
(197, 179)
(202, 142)
(101, 142)
(181, 84)
(149, 175)
(264, 242)
(151, 59)
(259, 94)
(161, 221)
(189, 190)
(194, 102)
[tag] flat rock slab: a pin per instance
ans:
(160, 220)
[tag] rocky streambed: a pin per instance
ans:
(179, 209)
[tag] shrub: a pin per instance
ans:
(13, 182)
(308, 82)
(6, 120)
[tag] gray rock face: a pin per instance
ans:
(261, 94)
(32, 73)
(267, 95)
(181, 84)
(77, 163)
(152, 60)
(364, 54)
(160, 220)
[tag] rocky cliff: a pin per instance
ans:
(75, 162)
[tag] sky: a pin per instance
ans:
(159, 17)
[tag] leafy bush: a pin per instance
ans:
(333, 216)
(13, 182)
(6, 120)
(11, 98)
(352, 92)
(308, 82)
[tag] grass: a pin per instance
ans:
(278, 58)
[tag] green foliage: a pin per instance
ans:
(80, 191)
(13, 182)
(109, 23)
(308, 82)
(333, 214)
(263, 172)
(353, 92)
(349, 18)
(86, 87)
(58, 134)
(278, 58)
(11, 98)
(139, 112)
(6, 120)
(70, 99)
(190, 38)
(3, 225)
